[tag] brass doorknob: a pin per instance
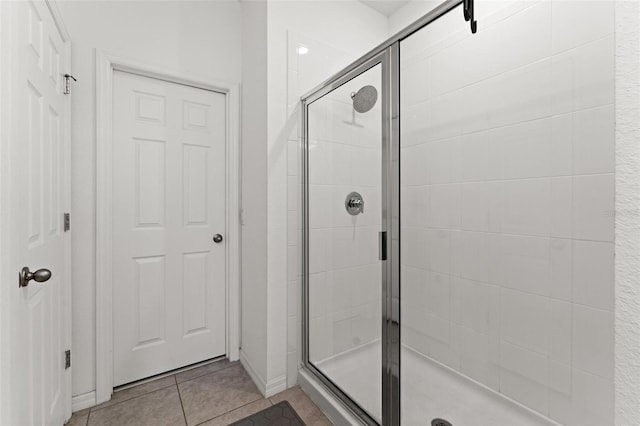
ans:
(25, 275)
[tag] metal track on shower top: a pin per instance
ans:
(435, 13)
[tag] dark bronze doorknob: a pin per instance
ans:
(25, 275)
(217, 238)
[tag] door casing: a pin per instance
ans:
(105, 66)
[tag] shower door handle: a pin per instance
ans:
(382, 245)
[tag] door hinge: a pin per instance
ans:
(67, 83)
(67, 359)
(67, 222)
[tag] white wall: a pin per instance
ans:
(254, 188)
(199, 38)
(507, 203)
(627, 306)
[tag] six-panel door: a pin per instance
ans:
(38, 188)
(168, 203)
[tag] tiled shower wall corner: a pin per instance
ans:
(507, 203)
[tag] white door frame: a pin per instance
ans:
(106, 64)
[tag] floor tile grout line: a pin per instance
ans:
(232, 364)
(237, 408)
(184, 415)
(176, 383)
(95, 408)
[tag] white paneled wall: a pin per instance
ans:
(507, 202)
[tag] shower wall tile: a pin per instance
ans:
(593, 131)
(561, 206)
(416, 205)
(318, 250)
(475, 159)
(414, 172)
(584, 77)
(415, 246)
(472, 303)
(526, 320)
(593, 341)
(524, 148)
(292, 228)
(561, 256)
(292, 157)
(444, 206)
(527, 207)
(561, 331)
(590, 402)
(440, 120)
(481, 206)
(526, 391)
(559, 380)
(477, 358)
(507, 203)
(562, 145)
(593, 274)
(593, 198)
(438, 295)
(525, 264)
(572, 26)
(532, 365)
(439, 250)
(520, 95)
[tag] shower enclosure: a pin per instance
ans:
(457, 221)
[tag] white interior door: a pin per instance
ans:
(168, 203)
(38, 195)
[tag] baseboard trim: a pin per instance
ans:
(262, 386)
(85, 400)
(276, 385)
(266, 389)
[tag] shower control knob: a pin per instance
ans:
(354, 203)
(217, 238)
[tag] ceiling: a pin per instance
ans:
(386, 7)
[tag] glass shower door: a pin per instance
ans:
(344, 218)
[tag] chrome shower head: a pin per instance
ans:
(364, 99)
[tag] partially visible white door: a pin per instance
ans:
(38, 187)
(168, 203)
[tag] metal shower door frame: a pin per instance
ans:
(388, 55)
(385, 60)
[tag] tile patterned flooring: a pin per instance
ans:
(214, 394)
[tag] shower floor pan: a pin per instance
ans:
(429, 391)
